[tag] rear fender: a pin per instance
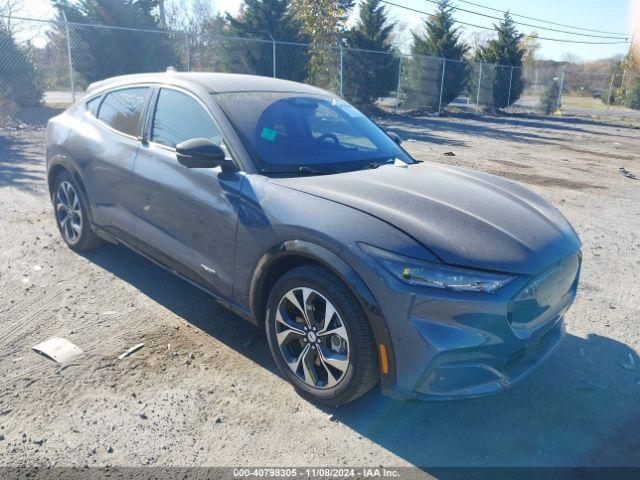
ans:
(58, 160)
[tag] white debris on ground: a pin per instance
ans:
(58, 349)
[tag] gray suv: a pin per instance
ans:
(301, 215)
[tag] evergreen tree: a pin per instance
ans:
(440, 39)
(505, 51)
(366, 74)
(550, 100)
(265, 19)
(104, 52)
(20, 83)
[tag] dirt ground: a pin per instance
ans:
(204, 390)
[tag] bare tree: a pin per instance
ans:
(8, 9)
(324, 21)
(531, 46)
(401, 35)
(570, 57)
(197, 28)
(478, 39)
(188, 16)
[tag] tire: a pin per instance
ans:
(321, 373)
(71, 214)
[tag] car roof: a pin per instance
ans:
(212, 82)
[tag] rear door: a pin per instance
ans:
(187, 216)
(110, 144)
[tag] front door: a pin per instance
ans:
(186, 216)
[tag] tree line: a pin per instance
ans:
(195, 38)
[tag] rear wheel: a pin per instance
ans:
(319, 336)
(71, 214)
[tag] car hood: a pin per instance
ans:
(464, 217)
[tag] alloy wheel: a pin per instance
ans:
(68, 212)
(312, 337)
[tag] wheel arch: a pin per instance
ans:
(290, 254)
(61, 162)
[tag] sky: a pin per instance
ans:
(606, 15)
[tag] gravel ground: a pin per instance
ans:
(204, 390)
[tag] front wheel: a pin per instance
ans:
(319, 336)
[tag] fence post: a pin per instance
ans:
(399, 83)
(66, 29)
(535, 92)
(341, 90)
(188, 45)
(273, 44)
(479, 83)
(510, 80)
(444, 64)
(609, 96)
(560, 92)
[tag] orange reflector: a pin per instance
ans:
(384, 362)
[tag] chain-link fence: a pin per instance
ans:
(48, 65)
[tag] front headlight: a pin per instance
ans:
(419, 272)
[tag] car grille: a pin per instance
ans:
(545, 294)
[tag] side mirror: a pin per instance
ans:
(201, 153)
(395, 137)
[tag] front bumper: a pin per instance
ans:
(453, 345)
(476, 372)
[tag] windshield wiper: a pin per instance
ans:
(374, 165)
(304, 170)
(299, 170)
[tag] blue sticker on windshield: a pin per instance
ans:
(268, 134)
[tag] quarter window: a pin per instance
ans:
(179, 117)
(92, 106)
(122, 109)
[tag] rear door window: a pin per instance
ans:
(122, 109)
(179, 117)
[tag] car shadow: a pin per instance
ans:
(581, 408)
(562, 124)
(37, 116)
(186, 301)
(427, 129)
(19, 166)
(568, 122)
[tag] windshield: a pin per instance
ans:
(287, 132)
